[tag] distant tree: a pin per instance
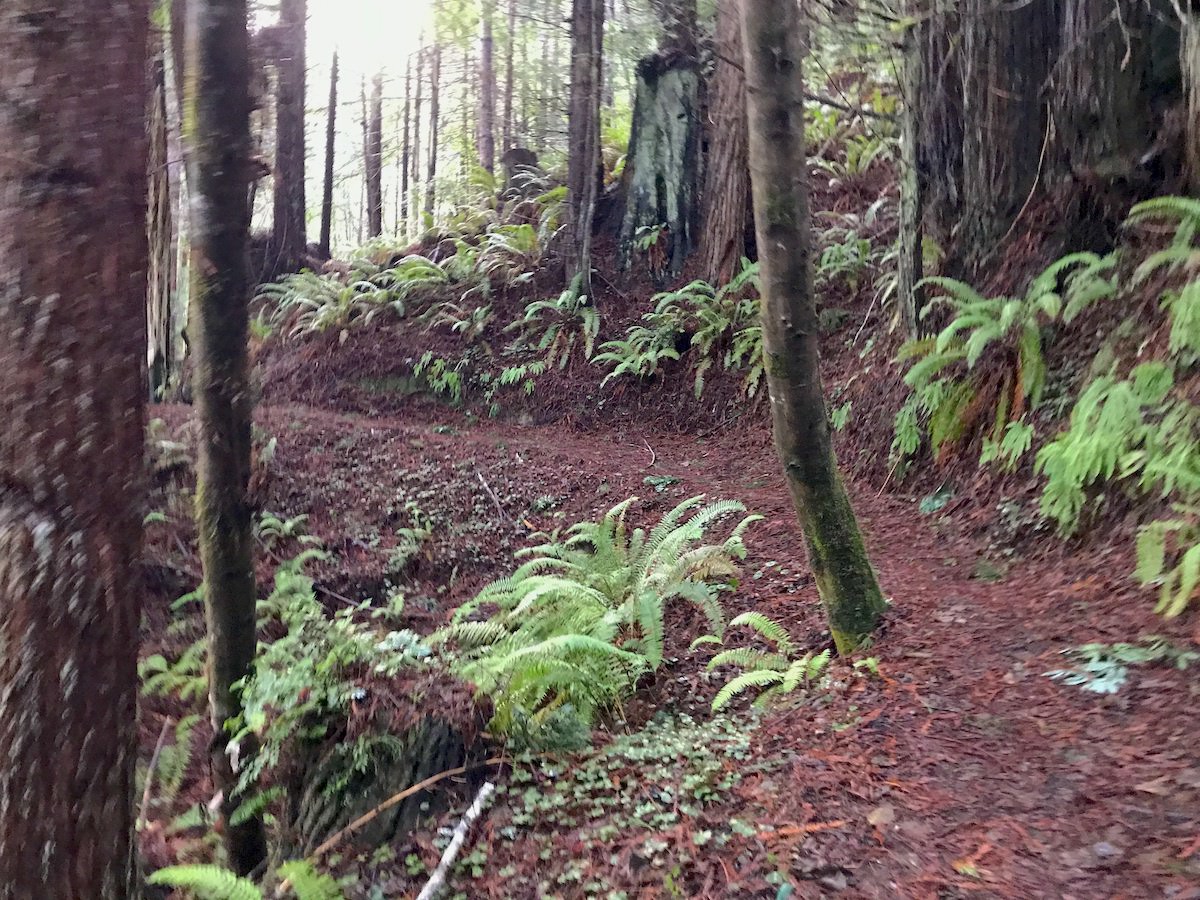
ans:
(415, 180)
(402, 215)
(289, 231)
(435, 75)
(330, 143)
(583, 142)
(775, 37)
(73, 259)
(487, 89)
(219, 159)
(510, 44)
(373, 155)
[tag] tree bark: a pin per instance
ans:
(218, 134)
(678, 19)
(405, 151)
(73, 260)
(161, 231)
(414, 186)
(487, 90)
(374, 159)
(910, 260)
(583, 153)
(775, 39)
(330, 141)
(435, 71)
(289, 242)
(507, 141)
(1190, 63)
(727, 189)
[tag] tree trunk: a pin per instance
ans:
(161, 231)
(218, 134)
(330, 141)
(1189, 57)
(73, 261)
(678, 18)
(506, 141)
(414, 186)
(775, 39)
(487, 91)
(405, 151)
(662, 166)
(727, 189)
(435, 71)
(289, 241)
(910, 260)
(583, 154)
(374, 159)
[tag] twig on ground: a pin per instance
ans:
(438, 879)
(653, 455)
(487, 487)
(162, 737)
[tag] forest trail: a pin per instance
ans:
(963, 771)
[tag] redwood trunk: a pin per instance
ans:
(218, 134)
(775, 39)
(435, 72)
(727, 191)
(73, 260)
(414, 192)
(507, 139)
(290, 210)
(330, 142)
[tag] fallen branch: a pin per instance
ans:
(437, 880)
(158, 747)
(487, 487)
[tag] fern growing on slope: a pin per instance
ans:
(775, 672)
(580, 621)
(208, 882)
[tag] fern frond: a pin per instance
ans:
(768, 628)
(308, 883)
(744, 682)
(207, 882)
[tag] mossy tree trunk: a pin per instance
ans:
(218, 136)
(727, 184)
(662, 167)
(583, 152)
(373, 152)
(73, 261)
(775, 37)
(289, 241)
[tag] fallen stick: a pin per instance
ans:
(437, 880)
(158, 748)
(487, 487)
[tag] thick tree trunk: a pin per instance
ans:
(583, 155)
(218, 134)
(678, 20)
(405, 152)
(727, 189)
(487, 90)
(775, 39)
(662, 166)
(1190, 64)
(160, 223)
(289, 241)
(72, 391)
(373, 152)
(435, 71)
(330, 141)
(507, 140)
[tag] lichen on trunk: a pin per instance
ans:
(663, 162)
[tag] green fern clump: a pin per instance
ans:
(1181, 257)
(209, 882)
(776, 672)
(557, 327)
(582, 619)
(1168, 556)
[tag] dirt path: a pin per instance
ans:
(965, 772)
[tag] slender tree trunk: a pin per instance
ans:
(374, 159)
(72, 394)
(290, 210)
(330, 141)
(910, 261)
(405, 151)
(218, 134)
(487, 90)
(161, 231)
(727, 190)
(507, 141)
(1190, 64)
(775, 39)
(583, 157)
(435, 69)
(415, 183)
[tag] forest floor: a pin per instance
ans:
(959, 771)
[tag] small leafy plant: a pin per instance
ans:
(1104, 668)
